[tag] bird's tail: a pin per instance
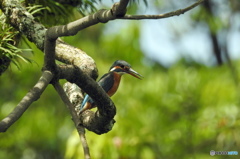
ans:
(87, 103)
(85, 100)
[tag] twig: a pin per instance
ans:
(75, 118)
(161, 16)
(28, 99)
(81, 132)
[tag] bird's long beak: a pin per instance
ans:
(134, 73)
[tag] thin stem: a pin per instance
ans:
(76, 120)
(161, 16)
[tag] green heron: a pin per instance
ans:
(110, 81)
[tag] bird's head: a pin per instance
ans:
(122, 67)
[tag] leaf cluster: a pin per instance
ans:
(59, 12)
(9, 52)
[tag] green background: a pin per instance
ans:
(183, 111)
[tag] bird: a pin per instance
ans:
(110, 82)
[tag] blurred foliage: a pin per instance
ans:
(213, 16)
(179, 112)
(218, 17)
(183, 111)
(50, 12)
(215, 23)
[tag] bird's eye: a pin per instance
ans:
(122, 66)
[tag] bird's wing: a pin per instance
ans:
(106, 81)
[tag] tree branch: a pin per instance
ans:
(23, 21)
(101, 16)
(119, 9)
(75, 118)
(28, 99)
(35, 32)
(216, 48)
(49, 55)
(102, 121)
(161, 16)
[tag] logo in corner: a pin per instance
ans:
(212, 152)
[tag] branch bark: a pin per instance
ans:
(120, 8)
(35, 32)
(33, 95)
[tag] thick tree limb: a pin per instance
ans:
(71, 55)
(161, 16)
(33, 95)
(23, 21)
(35, 32)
